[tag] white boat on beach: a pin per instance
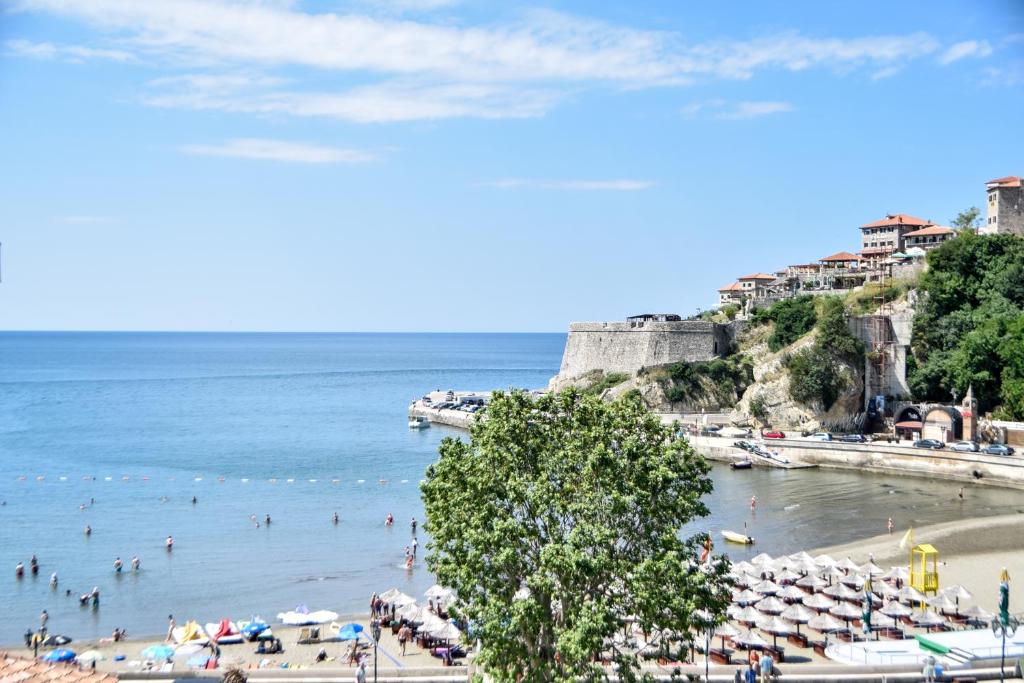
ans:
(418, 422)
(736, 537)
(191, 632)
(224, 632)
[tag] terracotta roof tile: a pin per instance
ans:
(1008, 181)
(897, 219)
(930, 230)
(842, 256)
(15, 669)
(758, 276)
(734, 287)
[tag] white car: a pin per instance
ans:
(820, 436)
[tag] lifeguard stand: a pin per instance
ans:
(924, 568)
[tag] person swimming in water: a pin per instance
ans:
(336, 518)
(267, 520)
(118, 565)
(34, 565)
(136, 563)
(194, 500)
(390, 520)
(19, 570)
(53, 580)
(753, 502)
(169, 543)
(88, 530)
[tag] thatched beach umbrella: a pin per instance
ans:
(747, 597)
(745, 567)
(747, 615)
(911, 594)
(819, 602)
(943, 603)
(813, 582)
(792, 594)
(801, 556)
(775, 626)
(847, 565)
(927, 618)
(787, 576)
(957, 592)
(897, 573)
(845, 611)
(771, 605)
(798, 614)
(826, 623)
(726, 631)
(762, 559)
(750, 639)
(830, 573)
(766, 588)
(870, 569)
(824, 561)
(885, 590)
(896, 609)
(977, 614)
(842, 591)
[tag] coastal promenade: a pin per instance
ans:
(902, 459)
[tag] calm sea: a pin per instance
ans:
(297, 426)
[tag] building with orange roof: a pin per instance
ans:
(928, 238)
(881, 238)
(15, 669)
(1005, 209)
(730, 294)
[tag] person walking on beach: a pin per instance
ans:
(750, 676)
(767, 666)
(170, 627)
(404, 636)
(890, 525)
(361, 673)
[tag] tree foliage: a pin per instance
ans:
(793, 319)
(968, 219)
(559, 518)
(969, 329)
(818, 373)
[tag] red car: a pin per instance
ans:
(774, 435)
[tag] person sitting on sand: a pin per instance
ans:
(321, 656)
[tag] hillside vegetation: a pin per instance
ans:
(969, 330)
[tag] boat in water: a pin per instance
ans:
(418, 422)
(736, 537)
(744, 464)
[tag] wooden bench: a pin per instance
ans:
(819, 647)
(798, 639)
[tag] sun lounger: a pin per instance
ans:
(798, 639)
(778, 653)
(720, 656)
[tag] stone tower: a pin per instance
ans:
(969, 412)
(1005, 212)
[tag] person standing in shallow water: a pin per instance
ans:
(412, 525)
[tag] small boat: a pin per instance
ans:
(418, 422)
(735, 537)
(224, 633)
(744, 464)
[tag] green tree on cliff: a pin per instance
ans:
(969, 219)
(559, 518)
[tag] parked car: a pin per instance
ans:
(852, 438)
(745, 445)
(934, 444)
(965, 447)
(998, 449)
(774, 435)
(821, 436)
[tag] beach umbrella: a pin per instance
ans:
(780, 563)
(896, 609)
(957, 592)
(798, 614)
(830, 573)
(870, 569)
(819, 602)
(852, 579)
(90, 656)
(448, 631)
(927, 618)
(188, 649)
(841, 591)
(845, 610)
(766, 587)
(59, 655)
(824, 561)
(883, 621)
(726, 631)
(847, 565)
(808, 566)
(158, 652)
(813, 582)
(746, 597)
(801, 556)
(771, 604)
(732, 610)
(826, 623)
(787, 576)
(390, 593)
(897, 573)
(792, 593)
(751, 640)
(761, 559)
(747, 615)
(350, 632)
(943, 603)
(744, 567)
(911, 594)
(777, 627)
(885, 590)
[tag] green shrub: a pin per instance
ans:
(793, 319)
(607, 381)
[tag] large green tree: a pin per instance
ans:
(561, 518)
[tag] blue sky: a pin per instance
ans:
(461, 165)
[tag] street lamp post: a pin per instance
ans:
(375, 627)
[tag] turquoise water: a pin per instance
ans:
(141, 423)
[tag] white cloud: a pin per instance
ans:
(84, 220)
(280, 150)
(68, 53)
(721, 109)
(618, 185)
(400, 69)
(968, 48)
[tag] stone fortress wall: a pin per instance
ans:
(629, 346)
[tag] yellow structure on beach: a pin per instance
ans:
(921, 577)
